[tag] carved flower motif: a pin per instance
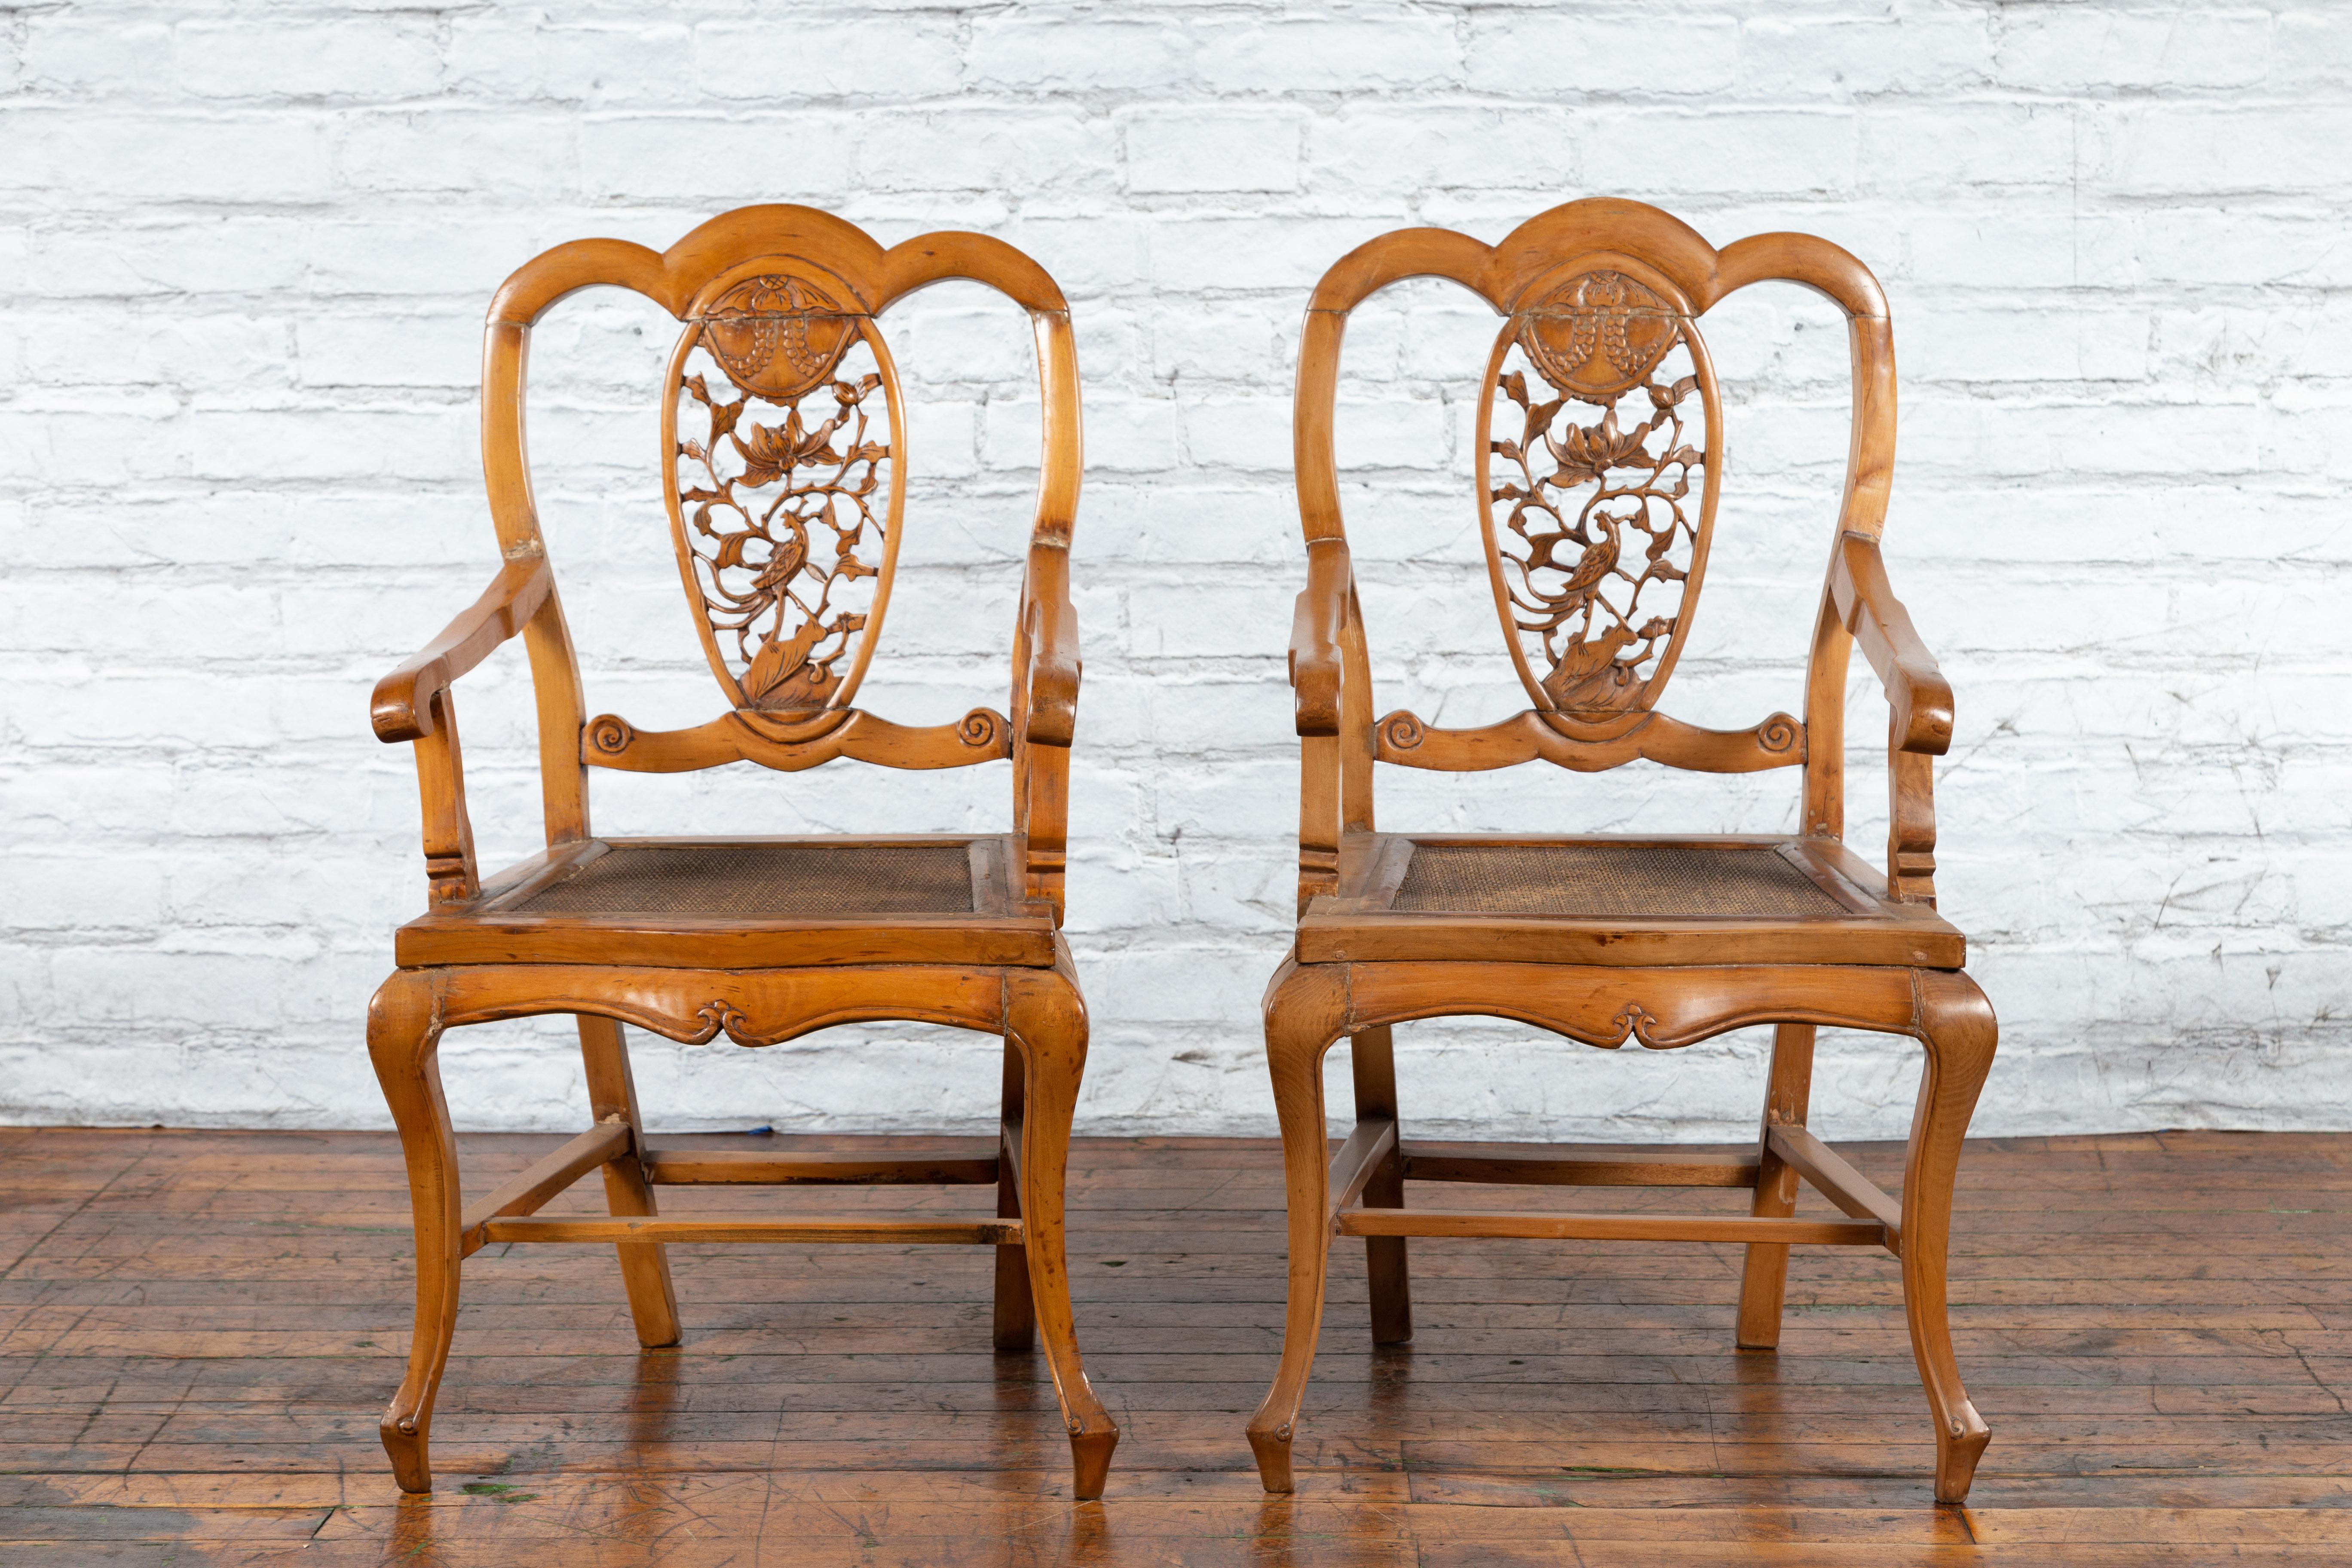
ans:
(1585, 452)
(775, 450)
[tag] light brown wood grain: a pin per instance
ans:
(1918, 695)
(527, 1191)
(610, 742)
(1596, 1227)
(1570, 1165)
(1596, 296)
(402, 706)
(842, 1230)
(669, 1164)
(1778, 741)
(1837, 1181)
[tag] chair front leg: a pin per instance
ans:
(1302, 1011)
(1957, 1029)
(404, 1034)
(644, 1265)
(1048, 1022)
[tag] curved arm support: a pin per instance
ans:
(1046, 670)
(1915, 689)
(1919, 711)
(1054, 666)
(452, 874)
(1315, 627)
(1318, 660)
(402, 706)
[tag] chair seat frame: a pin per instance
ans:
(1667, 984)
(460, 966)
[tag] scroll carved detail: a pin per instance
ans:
(1598, 532)
(1634, 1021)
(781, 487)
(1402, 730)
(718, 1014)
(610, 734)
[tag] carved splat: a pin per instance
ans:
(788, 482)
(1598, 481)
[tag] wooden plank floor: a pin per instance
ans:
(201, 1328)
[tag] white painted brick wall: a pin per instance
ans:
(244, 256)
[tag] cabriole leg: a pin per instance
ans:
(1303, 1016)
(1957, 1029)
(1372, 1056)
(644, 1265)
(1016, 1316)
(404, 1036)
(1764, 1282)
(1048, 1022)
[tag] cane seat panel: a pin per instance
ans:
(1618, 900)
(748, 881)
(740, 903)
(1602, 882)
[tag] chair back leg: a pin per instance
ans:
(644, 1265)
(1764, 1281)
(1016, 1312)
(1372, 1056)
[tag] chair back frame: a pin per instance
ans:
(778, 295)
(1596, 293)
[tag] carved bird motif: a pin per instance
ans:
(786, 557)
(1587, 675)
(1599, 559)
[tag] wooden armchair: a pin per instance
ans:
(1600, 459)
(784, 449)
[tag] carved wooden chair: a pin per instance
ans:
(1600, 459)
(784, 456)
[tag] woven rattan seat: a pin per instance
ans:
(1589, 881)
(752, 880)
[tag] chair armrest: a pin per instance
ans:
(1054, 667)
(402, 709)
(1314, 624)
(1916, 691)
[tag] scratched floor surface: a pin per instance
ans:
(201, 1328)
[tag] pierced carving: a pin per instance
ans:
(784, 489)
(1597, 533)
